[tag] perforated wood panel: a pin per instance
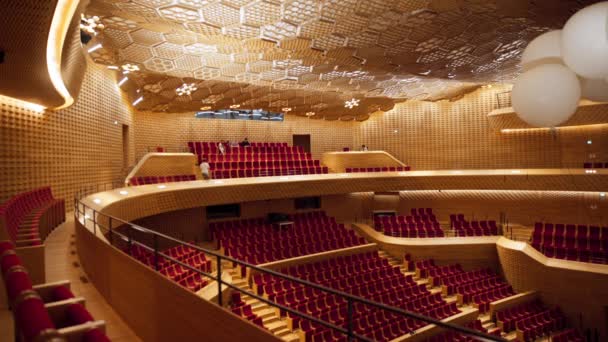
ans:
(457, 135)
(67, 149)
(174, 130)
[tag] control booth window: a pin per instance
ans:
(308, 202)
(223, 211)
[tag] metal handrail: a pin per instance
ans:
(349, 298)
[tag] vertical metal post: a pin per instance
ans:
(350, 319)
(94, 223)
(155, 252)
(219, 281)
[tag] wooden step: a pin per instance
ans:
(291, 337)
(276, 326)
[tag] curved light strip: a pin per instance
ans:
(57, 33)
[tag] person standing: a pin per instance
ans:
(245, 143)
(205, 169)
(363, 148)
(221, 148)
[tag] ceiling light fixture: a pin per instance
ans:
(205, 107)
(286, 109)
(122, 81)
(309, 114)
(141, 98)
(352, 103)
(113, 67)
(127, 68)
(235, 106)
(95, 48)
(186, 89)
(91, 24)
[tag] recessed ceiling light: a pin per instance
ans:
(205, 107)
(310, 113)
(589, 142)
(113, 67)
(286, 109)
(127, 68)
(235, 106)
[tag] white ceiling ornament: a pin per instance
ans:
(352, 103)
(186, 89)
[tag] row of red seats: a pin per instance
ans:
(30, 216)
(205, 146)
(571, 242)
(596, 165)
(366, 275)
(184, 276)
(254, 157)
(240, 308)
(508, 318)
(223, 174)
(423, 218)
(540, 324)
(463, 227)
(27, 302)
(237, 165)
(160, 179)
(377, 169)
(422, 223)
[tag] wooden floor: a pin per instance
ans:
(62, 263)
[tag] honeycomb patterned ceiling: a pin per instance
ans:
(313, 55)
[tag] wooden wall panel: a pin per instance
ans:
(174, 130)
(579, 291)
(68, 149)
(458, 135)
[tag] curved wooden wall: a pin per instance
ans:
(166, 164)
(156, 308)
(26, 37)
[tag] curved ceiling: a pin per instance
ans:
(312, 55)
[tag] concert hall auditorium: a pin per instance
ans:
(303, 170)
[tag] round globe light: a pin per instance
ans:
(594, 90)
(585, 41)
(547, 95)
(543, 49)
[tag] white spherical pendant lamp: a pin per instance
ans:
(544, 49)
(546, 95)
(585, 41)
(594, 90)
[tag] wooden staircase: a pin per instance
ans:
(270, 316)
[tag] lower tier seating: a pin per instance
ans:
(422, 223)
(463, 227)
(532, 320)
(595, 165)
(184, 276)
(377, 169)
(571, 242)
(365, 275)
(268, 172)
(160, 179)
(30, 216)
(35, 320)
(257, 241)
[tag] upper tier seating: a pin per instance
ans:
(377, 169)
(595, 165)
(571, 242)
(258, 160)
(480, 287)
(184, 276)
(422, 223)
(463, 227)
(365, 275)
(256, 241)
(28, 303)
(30, 216)
(160, 179)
